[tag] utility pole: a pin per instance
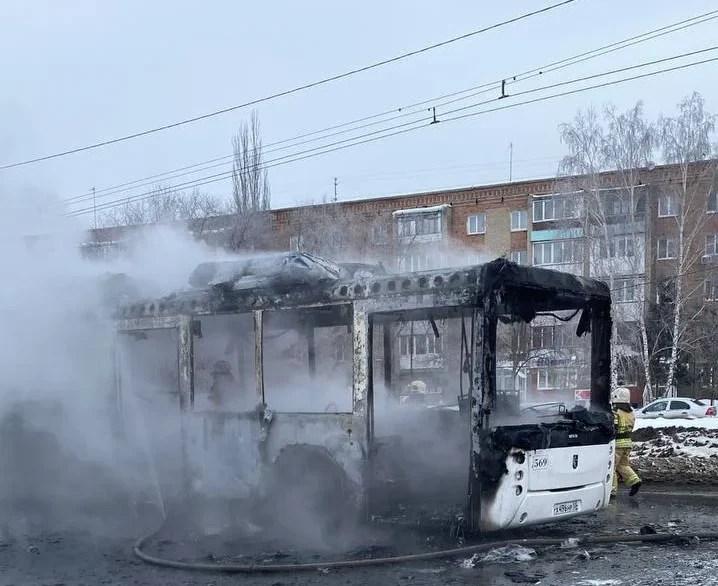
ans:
(94, 207)
(511, 161)
(335, 189)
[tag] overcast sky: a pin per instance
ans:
(78, 72)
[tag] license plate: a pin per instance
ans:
(566, 508)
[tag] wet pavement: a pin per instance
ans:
(104, 556)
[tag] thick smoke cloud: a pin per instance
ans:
(61, 454)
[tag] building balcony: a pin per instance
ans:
(422, 362)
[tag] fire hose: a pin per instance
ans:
(587, 540)
(415, 557)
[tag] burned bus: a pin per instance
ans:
(483, 388)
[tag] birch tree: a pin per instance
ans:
(623, 143)
(685, 141)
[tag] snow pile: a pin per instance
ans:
(677, 454)
(703, 423)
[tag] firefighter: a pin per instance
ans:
(417, 392)
(222, 384)
(624, 420)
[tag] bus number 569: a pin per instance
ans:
(539, 462)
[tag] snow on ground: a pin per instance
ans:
(677, 451)
(704, 423)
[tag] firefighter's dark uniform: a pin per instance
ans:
(625, 421)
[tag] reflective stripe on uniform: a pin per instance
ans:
(624, 422)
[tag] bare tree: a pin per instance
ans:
(685, 141)
(163, 204)
(329, 229)
(615, 215)
(250, 185)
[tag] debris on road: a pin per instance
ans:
(509, 554)
(518, 577)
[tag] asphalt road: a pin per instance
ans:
(101, 554)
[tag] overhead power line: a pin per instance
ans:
(294, 90)
(411, 126)
(402, 111)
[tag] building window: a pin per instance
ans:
(547, 379)
(408, 226)
(711, 289)
(712, 203)
(519, 220)
(476, 224)
(666, 291)
(411, 263)
(542, 337)
(618, 247)
(422, 344)
(550, 208)
(520, 257)
(624, 290)
(558, 252)
(554, 336)
(617, 205)
(711, 244)
(667, 248)
(667, 206)
(296, 242)
(380, 234)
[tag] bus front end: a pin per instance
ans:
(540, 420)
(545, 474)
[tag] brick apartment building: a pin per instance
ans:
(604, 227)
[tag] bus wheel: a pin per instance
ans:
(308, 496)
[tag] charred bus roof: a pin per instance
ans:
(301, 279)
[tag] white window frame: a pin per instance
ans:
(667, 240)
(515, 256)
(558, 206)
(667, 205)
(555, 246)
(296, 242)
(712, 202)
(618, 201)
(710, 289)
(522, 220)
(416, 225)
(380, 234)
(413, 262)
(545, 336)
(433, 345)
(547, 373)
(476, 224)
(625, 290)
(711, 245)
(618, 247)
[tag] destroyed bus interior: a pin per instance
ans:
(348, 389)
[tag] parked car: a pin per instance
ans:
(676, 408)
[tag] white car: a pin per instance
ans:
(676, 408)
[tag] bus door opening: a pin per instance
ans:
(419, 451)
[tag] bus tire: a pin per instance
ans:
(308, 492)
